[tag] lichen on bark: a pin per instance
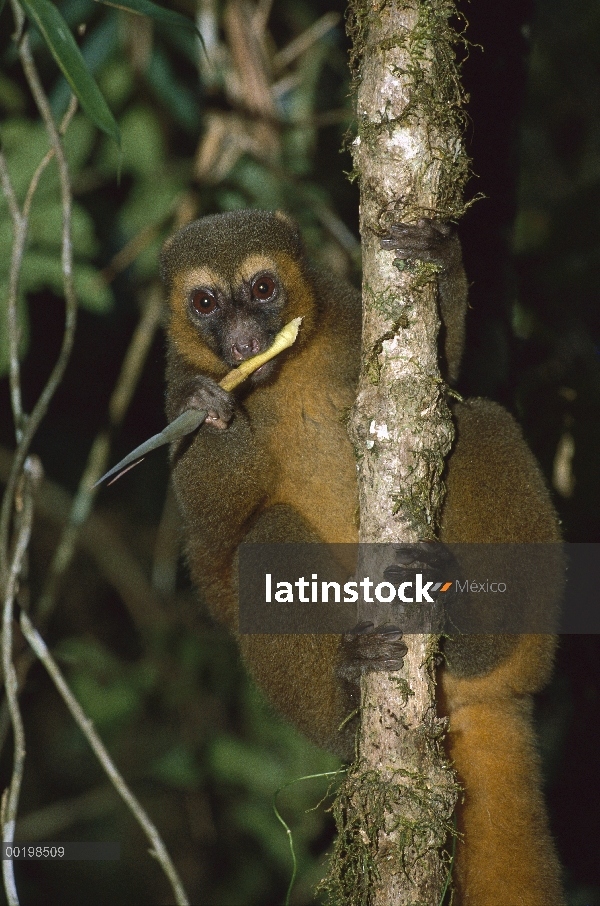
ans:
(394, 809)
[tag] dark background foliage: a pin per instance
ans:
(187, 729)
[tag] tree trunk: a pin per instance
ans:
(394, 810)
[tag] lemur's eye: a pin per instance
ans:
(263, 287)
(203, 302)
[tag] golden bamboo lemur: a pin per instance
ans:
(275, 464)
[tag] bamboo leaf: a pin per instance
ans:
(65, 51)
(156, 12)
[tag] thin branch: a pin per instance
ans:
(301, 44)
(127, 255)
(8, 189)
(103, 543)
(19, 222)
(9, 572)
(20, 233)
(31, 476)
(71, 110)
(113, 558)
(22, 667)
(30, 427)
(261, 16)
(158, 847)
(135, 356)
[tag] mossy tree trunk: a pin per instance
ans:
(394, 811)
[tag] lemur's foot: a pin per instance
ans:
(426, 240)
(368, 648)
(422, 577)
(430, 558)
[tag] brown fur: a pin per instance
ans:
(284, 470)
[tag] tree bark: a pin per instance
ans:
(394, 810)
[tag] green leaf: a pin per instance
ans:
(142, 144)
(24, 144)
(65, 51)
(178, 768)
(106, 702)
(45, 228)
(92, 293)
(153, 11)
(42, 270)
(173, 94)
